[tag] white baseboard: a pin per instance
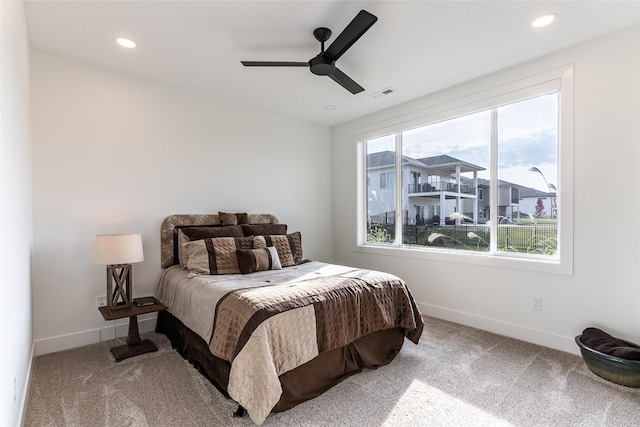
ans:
(146, 323)
(25, 390)
(512, 330)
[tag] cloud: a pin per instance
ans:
(528, 150)
(522, 151)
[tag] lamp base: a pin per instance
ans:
(119, 286)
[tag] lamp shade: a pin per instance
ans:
(112, 249)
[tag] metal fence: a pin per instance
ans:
(527, 238)
(539, 238)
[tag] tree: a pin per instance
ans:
(552, 190)
(539, 208)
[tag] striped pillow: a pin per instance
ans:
(289, 247)
(252, 260)
(215, 255)
(189, 233)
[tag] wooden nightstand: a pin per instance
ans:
(135, 345)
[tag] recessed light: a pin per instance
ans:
(125, 42)
(330, 107)
(544, 20)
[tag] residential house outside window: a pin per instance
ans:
(474, 181)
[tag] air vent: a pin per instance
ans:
(383, 92)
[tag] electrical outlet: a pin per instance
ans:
(101, 301)
(536, 303)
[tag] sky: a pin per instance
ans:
(527, 137)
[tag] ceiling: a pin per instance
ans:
(415, 47)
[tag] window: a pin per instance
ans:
(387, 180)
(381, 199)
(480, 178)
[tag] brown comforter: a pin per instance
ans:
(341, 308)
(265, 331)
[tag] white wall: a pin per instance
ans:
(604, 290)
(15, 213)
(114, 153)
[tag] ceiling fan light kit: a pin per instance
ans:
(324, 64)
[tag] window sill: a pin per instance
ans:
(543, 264)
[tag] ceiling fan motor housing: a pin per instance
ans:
(322, 66)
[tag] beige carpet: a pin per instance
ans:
(457, 376)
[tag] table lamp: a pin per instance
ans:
(118, 252)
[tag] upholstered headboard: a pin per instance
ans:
(173, 221)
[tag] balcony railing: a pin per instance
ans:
(441, 186)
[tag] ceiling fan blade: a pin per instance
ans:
(274, 64)
(356, 28)
(346, 82)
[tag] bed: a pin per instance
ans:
(267, 327)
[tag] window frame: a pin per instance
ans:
(561, 80)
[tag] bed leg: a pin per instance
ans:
(240, 412)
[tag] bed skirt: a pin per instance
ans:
(300, 384)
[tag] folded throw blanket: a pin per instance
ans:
(604, 343)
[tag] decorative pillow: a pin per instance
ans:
(215, 256)
(190, 233)
(289, 247)
(202, 232)
(252, 260)
(233, 218)
(263, 229)
(601, 341)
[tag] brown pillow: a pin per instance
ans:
(601, 341)
(233, 218)
(197, 232)
(289, 247)
(252, 260)
(202, 232)
(263, 229)
(215, 256)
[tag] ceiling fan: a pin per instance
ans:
(324, 64)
